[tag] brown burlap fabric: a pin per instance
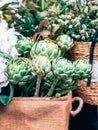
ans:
(25, 113)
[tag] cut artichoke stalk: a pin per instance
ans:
(39, 78)
(50, 92)
(62, 68)
(41, 65)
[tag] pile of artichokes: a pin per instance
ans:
(41, 70)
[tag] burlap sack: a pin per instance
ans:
(36, 113)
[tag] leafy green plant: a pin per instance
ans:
(32, 51)
(79, 19)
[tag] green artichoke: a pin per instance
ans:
(46, 83)
(65, 42)
(24, 45)
(19, 71)
(66, 83)
(46, 48)
(48, 79)
(62, 68)
(82, 69)
(41, 65)
(65, 86)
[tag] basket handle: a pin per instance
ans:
(75, 112)
(92, 53)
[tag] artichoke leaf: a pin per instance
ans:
(4, 99)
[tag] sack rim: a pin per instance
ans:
(63, 98)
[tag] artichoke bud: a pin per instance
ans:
(62, 68)
(24, 45)
(41, 65)
(19, 71)
(46, 48)
(66, 83)
(48, 79)
(82, 69)
(65, 42)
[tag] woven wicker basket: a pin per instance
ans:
(88, 94)
(81, 51)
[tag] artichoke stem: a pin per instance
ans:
(42, 4)
(63, 52)
(50, 92)
(38, 86)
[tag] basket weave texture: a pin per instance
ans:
(81, 50)
(88, 94)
